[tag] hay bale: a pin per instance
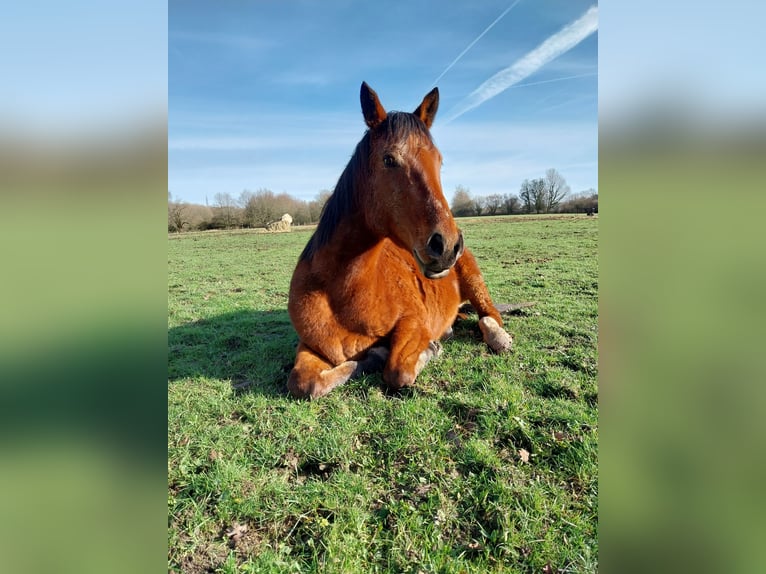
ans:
(281, 226)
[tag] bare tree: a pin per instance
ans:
(177, 218)
(480, 205)
(227, 209)
(582, 202)
(462, 203)
(532, 195)
(301, 213)
(244, 197)
(199, 216)
(556, 189)
(284, 203)
(493, 203)
(511, 204)
(317, 205)
(249, 209)
(259, 208)
(525, 194)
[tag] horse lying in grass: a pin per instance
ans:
(382, 277)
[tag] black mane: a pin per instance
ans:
(345, 198)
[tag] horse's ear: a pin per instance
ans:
(373, 111)
(427, 109)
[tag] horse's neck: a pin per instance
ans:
(350, 239)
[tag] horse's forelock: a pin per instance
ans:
(401, 125)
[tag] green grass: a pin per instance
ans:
(431, 480)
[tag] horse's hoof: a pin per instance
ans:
(301, 389)
(495, 336)
(397, 380)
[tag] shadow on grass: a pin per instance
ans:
(254, 350)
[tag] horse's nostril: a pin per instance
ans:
(436, 245)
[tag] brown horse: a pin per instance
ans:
(381, 280)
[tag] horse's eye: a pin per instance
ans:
(389, 161)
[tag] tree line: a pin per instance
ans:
(251, 209)
(548, 194)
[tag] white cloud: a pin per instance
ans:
(561, 42)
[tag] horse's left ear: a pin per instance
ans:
(427, 109)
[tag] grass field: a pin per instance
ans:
(489, 465)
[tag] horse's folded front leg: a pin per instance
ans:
(473, 288)
(411, 349)
(313, 376)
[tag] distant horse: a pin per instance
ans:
(382, 277)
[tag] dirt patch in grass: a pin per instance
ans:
(204, 559)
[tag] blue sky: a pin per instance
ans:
(82, 67)
(266, 94)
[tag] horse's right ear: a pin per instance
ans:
(373, 111)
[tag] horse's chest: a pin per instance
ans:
(441, 298)
(376, 296)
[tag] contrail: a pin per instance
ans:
(562, 41)
(589, 74)
(479, 37)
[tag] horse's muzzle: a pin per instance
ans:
(439, 256)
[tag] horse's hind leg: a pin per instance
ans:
(473, 288)
(313, 377)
